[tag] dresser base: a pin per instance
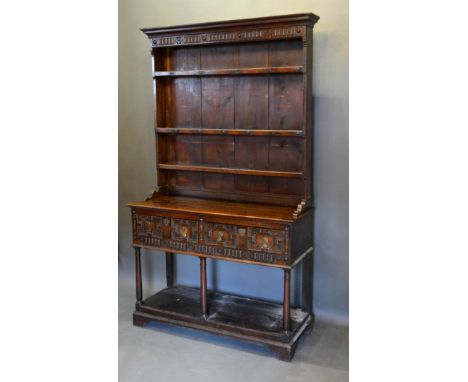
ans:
(238, 317)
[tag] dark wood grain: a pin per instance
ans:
(233, 128)
(182, 59)
(286, 106)
(205, 131)
(251, 102)
(221, 72)
(185, 102)
(227, 311)
(253, 55)
(286, 198)
(219, 57)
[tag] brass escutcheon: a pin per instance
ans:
(183, 231)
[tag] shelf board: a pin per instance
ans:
(221, 72)
(213, 207)
(226, 311)
(229, 170)
(253, 132)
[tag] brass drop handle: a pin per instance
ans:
(183, 231)
(265, 243)
(220, 236)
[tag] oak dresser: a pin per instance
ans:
(233, 129)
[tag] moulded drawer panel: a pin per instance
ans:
(197, 235)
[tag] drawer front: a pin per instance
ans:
(196, 235)
(224, 235)
(184, 230)
(147, 229)
(268, 240)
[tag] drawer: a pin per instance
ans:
(184, 230)
(268, 240)
(243, 237)
(224, 235)
(197, 235)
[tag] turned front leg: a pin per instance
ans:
(203, 298)
(170, 269)
(139, 289)
(286, 299)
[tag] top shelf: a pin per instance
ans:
(221, 72)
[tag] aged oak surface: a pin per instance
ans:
(233, 130)
(218, 207)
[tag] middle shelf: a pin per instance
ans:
(229, 170)
(224, 72)
(207, 131)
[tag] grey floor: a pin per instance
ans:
(164, 353)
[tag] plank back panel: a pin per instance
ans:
(185, 102)
(219, 57)
(251, 102)
(286, 102)
(253, 55)
(284, 53)
(259, 101)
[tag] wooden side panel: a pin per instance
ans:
(302, 234)
(308, 111)
(286, 106)
(162, 86)
(160, 58)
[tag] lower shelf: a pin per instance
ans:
(239, 317)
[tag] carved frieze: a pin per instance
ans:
(295, 31)
(222, 240)
(213, 250)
